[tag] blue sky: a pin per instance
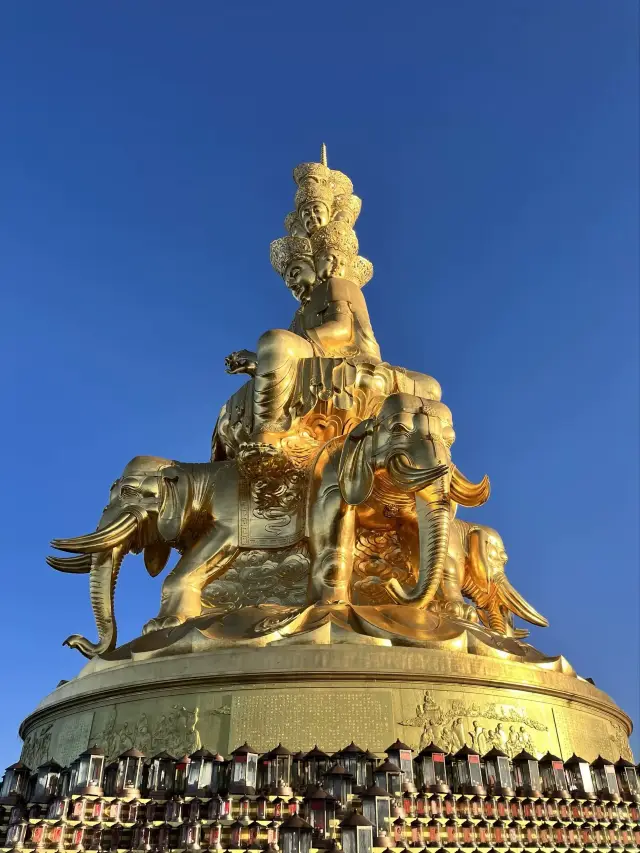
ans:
(145, 165)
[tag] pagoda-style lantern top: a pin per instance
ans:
(627, 777)
(129, 774)
(298, 770)
(199, 773)
(579, 775)
(47, 780)
(161, 775)
(432, 770)
(388, 776)
(317, 763)
(320, 809)
(376, 806)
(527, 774)
(605, 779)
(244, 770)
(352, 758)
(356, 834)
(498, 773)
(402, 755)
(554, 778)
(467, 772)
(371, 761)
(277, 763)
(86, 772)
(14, 783)
(295, 835)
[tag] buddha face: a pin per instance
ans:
(314, 215)
(300, 276)
(331, 263)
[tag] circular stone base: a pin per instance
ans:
(324, 691)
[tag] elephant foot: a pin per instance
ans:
(162, 623)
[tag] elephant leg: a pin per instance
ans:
(182, 589)
(332, 543)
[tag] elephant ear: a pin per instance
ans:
(155, 557)
(355, 470)
(176, 500)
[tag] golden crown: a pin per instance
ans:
(285, 249)
(338, 236)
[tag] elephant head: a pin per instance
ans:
(487, 585)
(405, 451)
(149, 508)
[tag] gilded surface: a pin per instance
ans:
(326, 514)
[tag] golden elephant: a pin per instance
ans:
(475, 568)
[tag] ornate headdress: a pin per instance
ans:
(286, 249)
(338, 236)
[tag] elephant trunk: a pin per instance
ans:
(102, 583)
(433, 525)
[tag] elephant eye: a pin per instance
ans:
(399, 428)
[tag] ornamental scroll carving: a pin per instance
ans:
(37, 747)
(455, 724)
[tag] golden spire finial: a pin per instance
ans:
(323, 154)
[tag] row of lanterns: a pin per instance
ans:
(351, 769)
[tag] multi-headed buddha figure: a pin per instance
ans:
(329, 354)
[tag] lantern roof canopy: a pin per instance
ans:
(602, 762)
(549, 756)
(524, 756)
(375, 791)
(316, 752)
(495, 753)
(163, 756)
(430, 749)
(464, 751)
(93, 750)
(351, 749)
(50, 765)
(318, 793)
(388, 767)
(371, 756)
(354, 819)
(338, 770)
(276, 751)
(575, 759)
(132, 753)
(296, 822)
(19, 765)
(202, 753)
(397, 745)
(298, 756)
(245, 749)
(622, 762)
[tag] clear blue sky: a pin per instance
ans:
(145, 158)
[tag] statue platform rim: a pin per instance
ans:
(315, 664)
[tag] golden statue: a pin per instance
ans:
(324, 447)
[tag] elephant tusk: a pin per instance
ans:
(465, 492)
(512, 599)
(102, 540)
(80, 565)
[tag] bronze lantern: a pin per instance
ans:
(339, 782)
(627, 778)
(498, 773)
(161, 778)
(376, 806)
(527, 774)
(353, 759)
(47, 781)
(402, 755)
(356, 834)
(431, 769)
(295, 835)
(605, 779)
(129, 774)
(371, 761)
(466, 772)
(320, 810)
(86, 773)
(554, 779)
(388, 776)
(199, 773)
(316, 762)
(14, 784)
(579, 776)
(277, 770)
